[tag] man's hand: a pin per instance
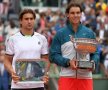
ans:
(93, 68)
(45, 78)
(15, 77)
(93, 65)
(73, 64)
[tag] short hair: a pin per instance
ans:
(25, 11)
(73, 4)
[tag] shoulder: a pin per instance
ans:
(38, 35)
(89, 31)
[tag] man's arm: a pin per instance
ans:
(94, 56)
(48, 62)
(46, 76)
(8, 65)
(55, 53)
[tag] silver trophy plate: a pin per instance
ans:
(84, 46)
(31, 69)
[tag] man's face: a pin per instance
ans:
(27, 21)
(74, 15)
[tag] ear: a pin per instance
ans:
(20, 23)
(67, 15)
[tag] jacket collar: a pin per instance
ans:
(69, 25)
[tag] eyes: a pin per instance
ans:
(29, 18)
(75, 13)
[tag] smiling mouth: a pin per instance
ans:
(29, 25)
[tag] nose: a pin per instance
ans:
(76, 14)
(29, 20)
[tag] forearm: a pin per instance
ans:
(47, 61)
(8, 65)
(59, 59)
(47, 68)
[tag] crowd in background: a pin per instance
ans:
(49, 22)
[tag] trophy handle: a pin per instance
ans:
(93, 65)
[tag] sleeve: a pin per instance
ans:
(55, 54)
(44, 49)
(95, 56)
(9, 46)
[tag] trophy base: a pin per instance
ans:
(86, 65)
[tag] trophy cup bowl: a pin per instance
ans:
(84, 46)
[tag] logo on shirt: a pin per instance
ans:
(84, 34)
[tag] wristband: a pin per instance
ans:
(68, 63)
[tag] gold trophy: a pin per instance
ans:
(83, 47)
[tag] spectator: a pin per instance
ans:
(4, 76)
(10, 29)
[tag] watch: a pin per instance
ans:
(68, 63)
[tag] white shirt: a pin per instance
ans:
(26, 47)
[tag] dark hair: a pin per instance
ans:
(73, 4)
(25, 11)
